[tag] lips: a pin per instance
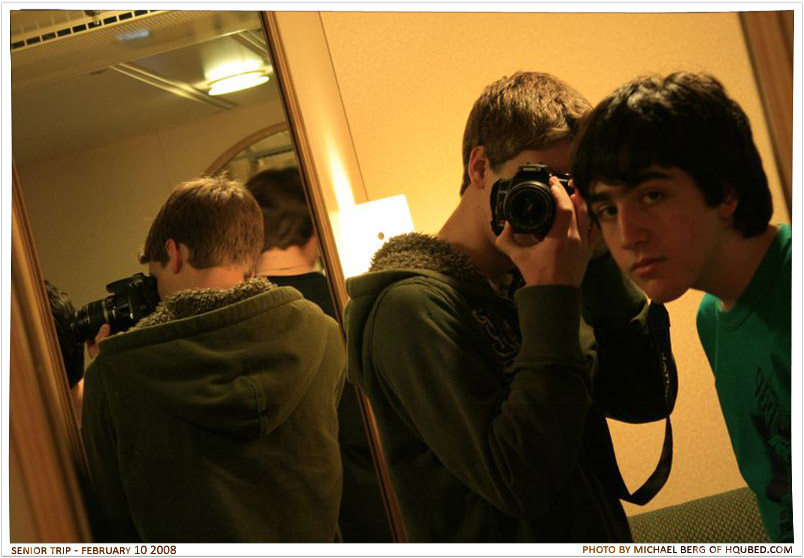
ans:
(645, 266)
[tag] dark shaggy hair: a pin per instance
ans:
(684, 120)
(286, 217)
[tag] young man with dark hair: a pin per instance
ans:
(289, 257)
(290, 248)
(671, 173)
(491, 410)
(213, 419)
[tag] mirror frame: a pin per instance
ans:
(47, 463)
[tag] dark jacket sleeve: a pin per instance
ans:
(515, 443)
(108, 507)
(628, 365)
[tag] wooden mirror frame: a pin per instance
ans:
(47, 464)
(325, 152)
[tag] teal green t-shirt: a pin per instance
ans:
(748, 348)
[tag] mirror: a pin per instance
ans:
(111, 110)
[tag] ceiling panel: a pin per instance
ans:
(86, 111)
(193, 64)
(67, 98)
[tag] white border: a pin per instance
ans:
(415, 549)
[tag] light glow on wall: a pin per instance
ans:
(339, 178)
(365, 227)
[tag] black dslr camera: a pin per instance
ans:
(525, 200)
(132, 298)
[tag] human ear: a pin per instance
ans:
(478, 166)
(728, 206)
(175, 255)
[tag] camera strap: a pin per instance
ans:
(659, 325)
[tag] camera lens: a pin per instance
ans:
(530, 208)
(90, 318)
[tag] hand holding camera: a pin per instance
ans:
(92, 344)
(560, 232)
(132, 298)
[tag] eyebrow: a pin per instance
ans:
(629, 184)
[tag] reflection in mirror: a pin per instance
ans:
(112, 109)
(271, 149)
(291, 258)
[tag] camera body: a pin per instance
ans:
(525, 200)
(132, 299)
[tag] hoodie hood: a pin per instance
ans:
(417, 254)
(407, 257)
(233, 361)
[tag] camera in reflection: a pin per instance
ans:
(132, 299)
(525, 200)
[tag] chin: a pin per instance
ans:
(661, 292)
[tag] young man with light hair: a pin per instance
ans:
(492, 408)
(213, 419)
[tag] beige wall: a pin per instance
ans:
(407, 82)
(90, 211)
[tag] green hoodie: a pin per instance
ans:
(214, 420)
(485, 407)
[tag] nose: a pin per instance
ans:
(633, 227)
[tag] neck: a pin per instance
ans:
(476, 242)
(218, 277)
(294, 260)
(735, 264)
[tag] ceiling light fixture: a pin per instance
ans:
(239, 82)
(236, 76)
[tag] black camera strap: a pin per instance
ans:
(659, 325)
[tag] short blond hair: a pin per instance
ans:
(528, 110)
(217, 219)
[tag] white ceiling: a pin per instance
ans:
(76, 92)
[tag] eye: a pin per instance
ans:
(652, 196)
(604, 212)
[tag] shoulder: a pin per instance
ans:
(706, 317)
(96, 378)
(785, 243)
(420, 309)
(785, 235)
(299, 313)
(416, 295)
